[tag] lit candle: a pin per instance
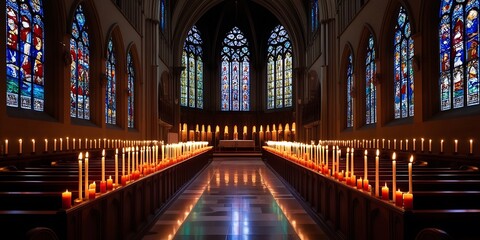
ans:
(471, 146)
(352, 161)
(55, 145)
(385, 192)
(109, 183)
(401, 144)
(394, 144)
(406, 144)
(103, 165)
(6, 146)
(61, 144)
(20, 146)
(414, 140)
(389, 144)
(430, 145)
(441, 146)
(365, 165)
(408, 201)
(87, 195)
(422, 144)
(66, 199)
(116, 166)
(80, 143)
(398, 198)
(410, 175)
(46, 145)
(383, 143)
(394, 174)
(347, 163)
(456, 145)
(128, 162)
(80, 157)
(359, 183)
(123, 161)
(92, 189)
(73, 146)
(33, 145)
(365, 185)
(68, 147)
(376, 174)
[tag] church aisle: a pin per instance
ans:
(236, 198)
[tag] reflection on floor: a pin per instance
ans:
(236, 198)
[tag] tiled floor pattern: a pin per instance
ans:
(236, 198)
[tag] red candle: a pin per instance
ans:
(109, 183)
(398, 198)
(385, 192)
(92, 189)
(66, 199)
(353, 180)
(365, 185)
(103, 186)
(408, 201)
(124, 180)
(340, 176)
(359, 183)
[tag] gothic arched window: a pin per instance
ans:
(131, 90)
(111, 88)
(279, 69)
(25, 54)
(163, 17)
(314, 15)
(458, 34)
(370, 88)
(402, 67)
(191, 80)
(349, 91)
(235, 78)
(79, 69)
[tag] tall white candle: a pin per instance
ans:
(128, 160)
(103, 165)
(406, 144)
(79, 143)
(394, 174)
(376, 174)
(430, 145)
(441, 146)
(86, 175)
(394, 144)
(20, 146)
(33, 145)
(456, 145)
(365, 164)
(389, 144)
(163, 152)
(61, 144)
(347, 163)
(421, 146)
(383, 143)
(73, 144)
(116, 166)
(55, 145)
(80, 157)
(352, 162)
(326, 154)
(68, 145)
(410, 175)
(414, 140)
(46, 145)
(123, 161)
(6, 146)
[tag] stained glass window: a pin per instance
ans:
(79, 69)
(458, 34)
(131, 91)
(191, 79)
(235, 74)
(402, 64)
(163, 16)
(25, 54)
(370, 88)
(314, 15)
(110, 95)
(279, 69)
(349, 91)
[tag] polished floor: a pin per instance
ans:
(236, 198)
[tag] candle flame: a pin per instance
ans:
(411, 159)
(80, 156)
(385, 184)
(116, 151)
(366, 152)
(348, 150)
(103, 153)
(394, 156)
(378, 152)
(66, 191)
(86, 155)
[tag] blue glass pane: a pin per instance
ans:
(131, 91)
(110, 95)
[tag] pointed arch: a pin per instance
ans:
(367, 68)
(235, 72)
(191, 78)
(133, 85)
(84, 28)
(114, 62)
(279, 69)
(348, 86)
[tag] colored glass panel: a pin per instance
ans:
(235, 72)
(314, 15)
(279, 69)
(370, 88)
(403, 80)
(79, 68)
(131, 91)
(163, 17)
(110, 95)
(24, 53)
(191, 78)
(349, 75)
(458, 33)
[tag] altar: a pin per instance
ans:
(236, 144)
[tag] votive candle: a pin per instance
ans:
(385, 192)
(66, 199)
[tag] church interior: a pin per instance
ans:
(240, 119)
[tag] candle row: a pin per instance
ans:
(76, 144)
